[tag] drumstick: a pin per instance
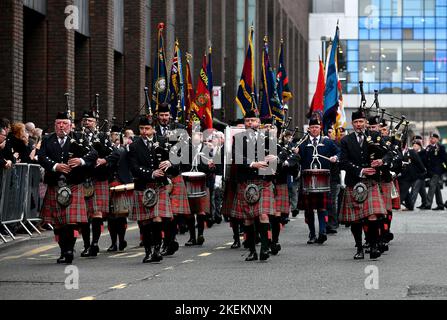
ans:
(328, 159)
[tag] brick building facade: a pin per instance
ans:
(40, 59)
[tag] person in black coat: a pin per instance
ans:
(418, 187)
(413, 170)
(436, 160)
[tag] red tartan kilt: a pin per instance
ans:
(162, 209)
(352, 211)
(314, 201)
(99, 202)
(122, 203)
(396, 201)
(179, 197)
(282, 203)
(265, 205)
(54, 214)
(385, 189)
(199, 205)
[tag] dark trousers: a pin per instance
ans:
(435, 189)
(333, 207)
(405, 198)
(418, 188)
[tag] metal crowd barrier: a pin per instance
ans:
(19, 197)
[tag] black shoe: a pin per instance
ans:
(245, 244)
(295, 213)
(191, 242)
(94, 250)
(61, 259)
(236, 244)
(374, 253)
(218, 220)
(421, 207)
(264, 255)
(360, 255)
(147, 257)
(275, 248)
(383, 247)
(200, 240)
(367, 248)
(141, 244)
(69, 256)
(210, 223)
(85, 253)
(426, 208)
(312, 240)
(438, 209)
(322, 238)
(285, 220)
(113, 248)
(253, 256)
(331, 231)
(156, 256)
(122, 246)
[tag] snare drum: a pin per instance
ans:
(122, 199)
(195, 184)
(316, 180)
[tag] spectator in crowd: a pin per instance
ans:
(5, 124)
(30, 128)
(4, 163)
(17, 147)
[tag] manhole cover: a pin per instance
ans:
(427, 291)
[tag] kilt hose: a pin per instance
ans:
(314, 201)
(58, 216)
(265, 205)
(162, 209)
(229, 196)
(352, 211)
(282, 202)
(179, 197)
(99, 202)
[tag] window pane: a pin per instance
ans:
(418, 22)
(369, 72)
(353, 45)
(374, 34)
(441, 11)
(441, 34)
(429, 87)
(407, 22)
(369, 51)
(430, 34)
(418, 34)
(353, 66)
(391, 72)
(363, 34)
(413, 7)
(441, 22)
(429, 7)
(353, 55)
(396, 22)
(369, 8)
(389, 50)
(353, 77)
(430, 23)
(412, 71)
(430, 51)
(442, 77)
(413, 51)
(385, 34)
(441, 88)
(397, 34)
(385, 22)
(418, 88)
(429, 66)
(441, 45)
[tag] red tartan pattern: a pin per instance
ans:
(352, 211)
(162, 209)
(179, 197)
(385, 190)
(229, 196)
(314, 201)
(265, 205)
(282, 203)
(99, 202)
(54, 214)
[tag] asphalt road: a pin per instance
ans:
(414, 268)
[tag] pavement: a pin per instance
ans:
(413, 269)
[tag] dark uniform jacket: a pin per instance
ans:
(104, 147)
(354, 158)
(51, 153)
(145, 160)
(288, 164)
(326, 147)
(436, 158)
(119, 167)
(414, 168)
(251, 149)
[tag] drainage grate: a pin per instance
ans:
(429, 291)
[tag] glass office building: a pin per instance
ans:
(398, 47)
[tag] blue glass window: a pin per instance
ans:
(441, 88)
(374, 34)
(353, 45)
(418, 34)
(419, 22)
(441, 11)
(353, 66)
(441, 66)
(407, 87)
(430, 22)
(441, 34)
(396, 34)
(407, 22)
(441, 45)
(430, 87)
(385, 34)
(442, 77)
(353, 88)
(396, 22)
(430, 34)
(441, 22)
(363, 34)
(354, 77)
(429, 66)
(441, 55)
(353, 55)
(385, 22)
(441, 3)
(373, 86)
(418, 88)
(430, 76)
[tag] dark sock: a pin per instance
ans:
(121, 228)
(264, 233)
(235, 226)
(156, 233)
(147, 236)
(276, 228)
(356, 229)
(191, 221)
(96, 230)
(113, 230)
(200, 224)
(85, 230)
(373, 232)
(173, 228)
(70, 238)
(60, 239)
(250, 232)
(167, 231)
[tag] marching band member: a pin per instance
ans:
(97, 198)
(65, 161)
(254, 192)
(310, 151)
(362, 203)
(150, 165)
(120, 175)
